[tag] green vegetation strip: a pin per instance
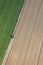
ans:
(9, 12)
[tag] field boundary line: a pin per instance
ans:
(11, 41)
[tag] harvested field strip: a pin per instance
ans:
(9, 12)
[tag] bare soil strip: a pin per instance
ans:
(27, 48)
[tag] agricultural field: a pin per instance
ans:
(9, 12)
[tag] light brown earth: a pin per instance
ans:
(27, 46)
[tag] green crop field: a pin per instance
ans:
(9, 12)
